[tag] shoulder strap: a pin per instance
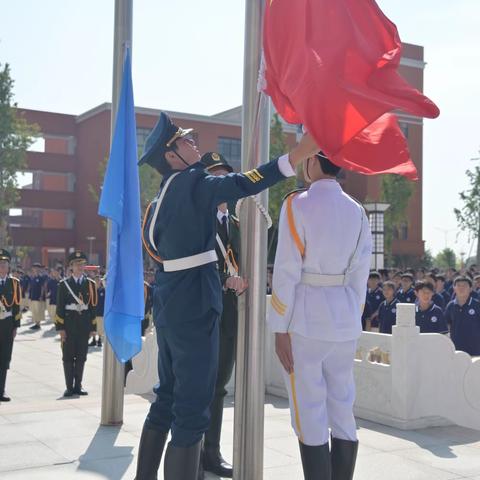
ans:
(291, 221)
(73, 295)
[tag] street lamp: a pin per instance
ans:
(376, 213)
(91, 240)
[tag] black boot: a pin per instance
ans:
(68, 372)
(77, 389)
(3, 380)
(212, 458)
(181, 463)
(93, 342)
(150, 450)
(99, 342)
(316, 462)
(344, 456)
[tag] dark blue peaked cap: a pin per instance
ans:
(160, 140)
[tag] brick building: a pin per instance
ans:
(57, 208)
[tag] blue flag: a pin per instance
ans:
(120, 202)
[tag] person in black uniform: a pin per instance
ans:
(429, 317)
(387, 312)
(374, 297)
(10, 315)
(97, 342)
(463, 317)
(148, 297)
(36, 291)
(75, 320)
(179, 233)
(228, 249)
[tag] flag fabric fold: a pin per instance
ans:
(332, 65)
(120, 202)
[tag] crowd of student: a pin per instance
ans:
(446, 302)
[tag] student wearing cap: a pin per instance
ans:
(407, 293)
(321, 268)
(75, 320)
(179, 233)
(228, 250)
(463, 317)
(429, 317)
(10, 315)
(36, 292)
(387, 312)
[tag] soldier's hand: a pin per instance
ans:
(306, 148)
(63, 335)
(238, 284)
(283, 348)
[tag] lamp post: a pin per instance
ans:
(376, 214)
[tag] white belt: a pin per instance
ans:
(320, 280)
(4, 315)
(190, 262)
(76, 307)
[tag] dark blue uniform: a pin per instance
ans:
(438, 300)
(101, 301)
(35, 289)
(52, 285)
(387, 315)
(446, 297)
(464, 324)
(406, 297)
(188, 303)
(431, 320)
(374, 299)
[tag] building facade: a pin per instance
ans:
(57, 210)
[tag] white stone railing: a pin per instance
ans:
(407, 380)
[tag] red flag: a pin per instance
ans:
(332, 65)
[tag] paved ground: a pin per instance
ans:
(43, 436)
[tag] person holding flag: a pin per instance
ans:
(179, 233)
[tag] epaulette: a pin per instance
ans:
(90, 280)
(235, 220)
(15, 278)
(298, 190)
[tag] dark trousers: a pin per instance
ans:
(7, 325)
(226, 361)
(75, 346)
(187, 370)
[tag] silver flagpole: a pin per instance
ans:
(114, 371)
(249, 376)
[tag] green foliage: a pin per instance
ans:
(278, 147)
(396, 191)
(468, 217)
(427, 260)
(16, 136)
(446, 259)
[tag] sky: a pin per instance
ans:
(188, 57)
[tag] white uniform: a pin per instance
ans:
(318, 298)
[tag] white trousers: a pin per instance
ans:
(321, 390)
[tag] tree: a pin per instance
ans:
(468, 217)
(396, 191)
(16, 136)
(278, 146)
(446, 259)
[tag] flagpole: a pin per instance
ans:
(249, 370)
(114, 371)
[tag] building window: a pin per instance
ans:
(142, 134)
(404, 128)
(404, 231)
(231, 149)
